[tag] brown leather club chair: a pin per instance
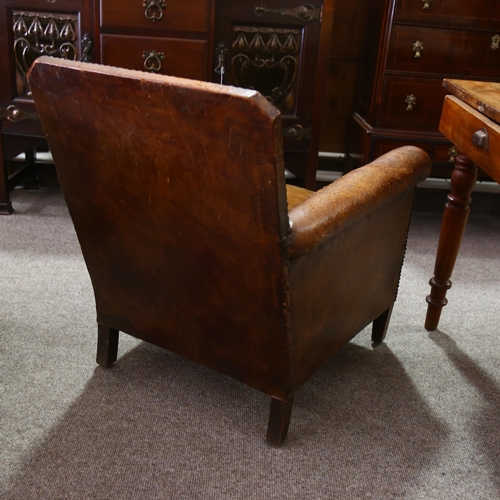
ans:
(177, 192)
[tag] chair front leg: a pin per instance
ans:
(279, 420)
(107, 345)
(380, 325)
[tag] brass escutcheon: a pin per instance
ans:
(427, 4)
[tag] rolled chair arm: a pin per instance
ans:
(331, 210)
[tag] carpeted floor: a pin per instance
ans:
(415, 418)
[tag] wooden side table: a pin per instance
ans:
(470, 119)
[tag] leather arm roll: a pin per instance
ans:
(331, 210)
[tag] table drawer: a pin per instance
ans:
(478, 14)
(171, 15)
(460, 122)
(412, 103)
(176, 57)
(467, 53)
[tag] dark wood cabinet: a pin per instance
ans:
(275, 48)
(29, 29)
(418, 44)
(279, 48)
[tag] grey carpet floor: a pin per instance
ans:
(415, 418)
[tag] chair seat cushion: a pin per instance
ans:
(295, 195)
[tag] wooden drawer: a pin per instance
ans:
(182, 58)
(476, 14)
(454, 52)
(383, 146)
(459, 122)
(425, 112)
(178, 15)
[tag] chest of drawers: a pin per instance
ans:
(420, 42)
(154, 35)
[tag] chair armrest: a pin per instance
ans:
(332, 209)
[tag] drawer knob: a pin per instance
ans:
(481, 139)
(152, 60)
(411, 100)
(154, 9)
(427, 4)
(495, 42)
(417, 48)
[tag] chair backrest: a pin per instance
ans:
(177, 192)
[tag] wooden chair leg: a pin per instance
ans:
(380, 325)
(107, 345)
(279, 420)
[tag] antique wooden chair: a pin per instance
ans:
(177, 192)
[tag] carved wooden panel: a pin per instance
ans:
(267, 59)
(40, 33)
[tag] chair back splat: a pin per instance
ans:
(177, 192)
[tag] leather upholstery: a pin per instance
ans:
(177, 192)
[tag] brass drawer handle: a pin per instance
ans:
(452, 154)
(152, 60)
(417, 48)
(14, 114)
(296, 133)
(427, 4)
(305, 12)
(411, 100)
(495, 42)
(154, 9)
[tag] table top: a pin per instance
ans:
(482, 96)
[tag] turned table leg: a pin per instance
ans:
(455, 217)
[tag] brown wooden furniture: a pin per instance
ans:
(279, 48)
(471, 120)
(28, 29)
(180, 207)
(400, 97)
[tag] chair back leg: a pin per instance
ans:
(380, 325)
(107, 345)
(279, 420)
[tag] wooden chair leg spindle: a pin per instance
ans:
(380, 326)
(279, 420)
(107, 345)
